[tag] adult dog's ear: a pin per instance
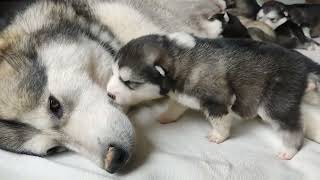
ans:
(6, 70)
(3, 46)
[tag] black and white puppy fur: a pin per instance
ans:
(242, 27)
(305, 15)
(223, 78)
(246, 8)
(292, 23)
(231, 25)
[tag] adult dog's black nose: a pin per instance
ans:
(115, 159)
(112, 96)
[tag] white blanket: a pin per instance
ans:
(181, 151)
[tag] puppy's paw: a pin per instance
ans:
(166, 119)
(287, 154)
(217, 137)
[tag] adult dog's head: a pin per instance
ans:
(49, 98)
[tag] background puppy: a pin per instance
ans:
(231, 25)
(242, 27)
(221, 77)
(292, 23)
(258, 30)
(246, 8)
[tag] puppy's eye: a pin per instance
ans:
(131, 84)
(55, 107)
(273, 19)
(211, 18)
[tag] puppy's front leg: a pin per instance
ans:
(173, 112)
(221, 128)
(220, 118)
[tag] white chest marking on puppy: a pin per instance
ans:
(186, 100)
(183, 39)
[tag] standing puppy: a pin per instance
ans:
(223, 78)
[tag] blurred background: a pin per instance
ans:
(9, 7)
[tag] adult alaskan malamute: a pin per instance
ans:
(55, 62)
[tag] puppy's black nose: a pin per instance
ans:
(113, 97)
(115, 159)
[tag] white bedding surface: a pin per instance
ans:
(181, 151)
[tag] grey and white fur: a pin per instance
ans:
(223, 78)
(55, 63)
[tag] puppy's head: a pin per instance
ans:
(140, 71)
(273, 13)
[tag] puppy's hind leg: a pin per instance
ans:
(172, 113)
(290, 130)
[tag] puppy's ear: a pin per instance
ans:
(151, 53)
(283, 9)
(8, 60)
(157, 57)
(285, 13)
